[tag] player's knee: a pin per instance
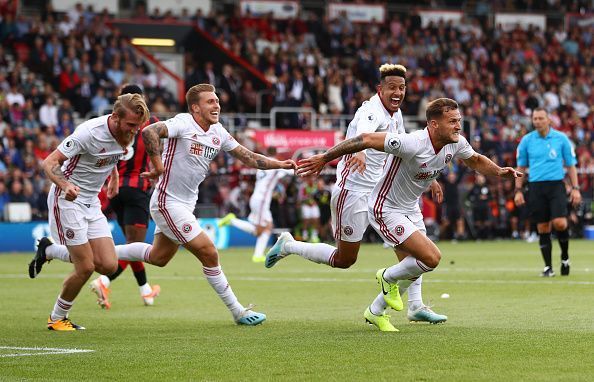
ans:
(209, 256)
(344, 262)
(85, 270)
(433, 260)
(106, 268)
(560, 224)
(159, 261)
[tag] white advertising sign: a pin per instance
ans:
(98, 6)
(280, 9)
(358, 13)
(428, 17)
(509, 21)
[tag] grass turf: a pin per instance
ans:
(505, 322)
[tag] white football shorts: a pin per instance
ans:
(174, 220)
(259, 212)
(74, 223)
(349, 214)
(395, 227)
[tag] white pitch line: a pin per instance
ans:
(342, 280)
(41, 351)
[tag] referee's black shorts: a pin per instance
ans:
(131, 206)
(547, 200)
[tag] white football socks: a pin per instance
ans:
(261, 243)
(415, 296)
(134, 251)
(408, 268)
(243, 225)
(145, 289)
(61, 309)
(57, 252)
(320, 253)
(105, 281)
(217, 280)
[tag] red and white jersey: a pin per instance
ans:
(411, 168)
(187, 154)
(266, 181)
(92, 153)
(371, 117)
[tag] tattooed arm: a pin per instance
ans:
(259, 161)
(113, 186)
(315, 164)
(52, 167)
(151, 135)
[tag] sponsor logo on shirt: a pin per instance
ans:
(204, 151)
(427, 175)
(101, 162)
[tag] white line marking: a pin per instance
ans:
(41, 351)
(280, 278)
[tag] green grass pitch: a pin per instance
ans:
(505, 322)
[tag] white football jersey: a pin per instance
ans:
(371, 117)
(411, 168)
(266, 181)
(92, 153)
(187, 154)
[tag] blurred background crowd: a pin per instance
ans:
(59, 68)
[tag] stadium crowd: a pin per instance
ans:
(56, 68)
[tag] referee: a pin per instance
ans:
(545, 151)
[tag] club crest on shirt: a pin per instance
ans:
(216, 141)
(448, 158)
(370, 117)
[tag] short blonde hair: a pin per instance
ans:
(193, 94)
(133, 102)
(387, 70)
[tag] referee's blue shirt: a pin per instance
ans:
(545, 157)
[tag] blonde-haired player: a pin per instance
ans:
(192, 141)
(78, 169)
(356, 177)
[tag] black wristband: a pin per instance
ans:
(575, 188)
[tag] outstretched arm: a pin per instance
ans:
(259, 161)
(151, 135)
(486, 166)
(315, 164)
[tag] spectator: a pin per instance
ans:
(48, 113)
(99, 102)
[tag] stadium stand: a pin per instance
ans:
(56, 68)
